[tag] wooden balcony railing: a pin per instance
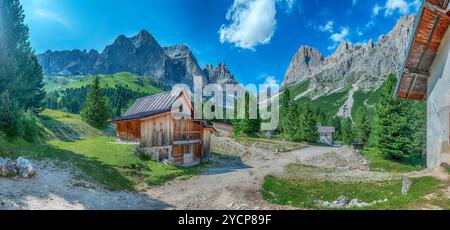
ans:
(185, 135)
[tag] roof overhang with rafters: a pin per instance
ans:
(429, 30)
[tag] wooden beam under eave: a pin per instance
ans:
(413, 84)
(417, 72)
(432, 6)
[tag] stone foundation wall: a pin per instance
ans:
(157, 153)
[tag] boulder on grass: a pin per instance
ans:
(7, 167)
(25, 168)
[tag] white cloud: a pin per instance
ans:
(376, 9)
(328, 27)
(253, 22)
(288, 5)
(46, 10)
(360, 33)
(341, 36)
(397, 6)
(48, 15)
(270, 80)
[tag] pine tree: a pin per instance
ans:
(418, 116)
(9, 115)
(321, 117)
(289, 115)
(250, 126)
(95, 112)
(308, 125)
(285, 104)
(336, 122)
(393, 132)
(347, 131)
(24, 77)
(362, 125)
(291, 123)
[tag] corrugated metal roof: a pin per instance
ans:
(151, 105)
(327, 129)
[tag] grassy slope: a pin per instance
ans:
(378, 163)
(299, 88)
(367, 99)
(329, 104)
(94, 153)
(131, 81)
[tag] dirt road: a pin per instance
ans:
(234, 183)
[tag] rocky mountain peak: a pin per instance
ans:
(221, 74)
(143, 38)
(363, 66)
(121, 39)
(370, 44)
(307, 60)
(344, 47)
(177, 51)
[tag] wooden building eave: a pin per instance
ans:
(430, 28)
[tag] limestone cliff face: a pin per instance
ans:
(362, 67)
(182, 65)
(141, 55)
(220, 75)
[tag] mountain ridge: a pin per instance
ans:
(373, 60)
(358, 69)
(140, 54)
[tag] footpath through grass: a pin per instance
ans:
(97, 155)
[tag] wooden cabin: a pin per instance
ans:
(426, 76)
(164, 131)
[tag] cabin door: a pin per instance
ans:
(198, 152)
(183, 154)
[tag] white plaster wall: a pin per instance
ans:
(439, 107)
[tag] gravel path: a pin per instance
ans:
(54, 188)
(234, 183)
(238, 184)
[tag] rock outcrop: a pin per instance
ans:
(21, 167)
(367, 64)
(7, 167)
(140, 54)
(25, 168)
(220, 74)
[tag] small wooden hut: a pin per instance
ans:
(164, 131)
(326, 134)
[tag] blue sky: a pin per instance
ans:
(257, 39)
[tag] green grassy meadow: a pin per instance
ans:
(301, 193)
(127, 80)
